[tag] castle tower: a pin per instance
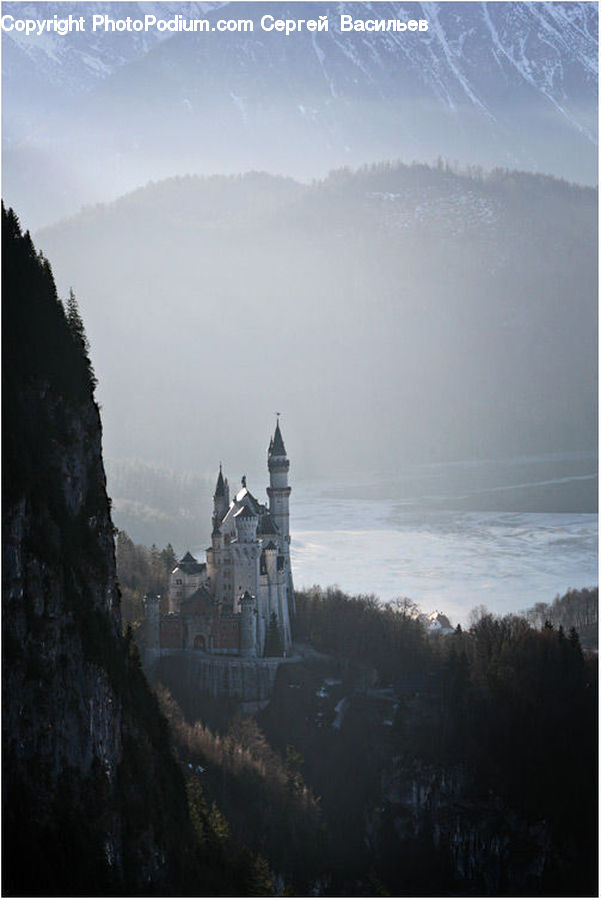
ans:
(246, 525)
(270, 557)
(247, 625)
(221, 499)
(278, 490)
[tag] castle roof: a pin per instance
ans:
(192, 568)
(438, 621)
(245, 512)
(267, 525)
(245, 496)
(276, 445)
(220, 486)
(189, 565)
(188, 558)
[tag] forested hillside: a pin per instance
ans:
(463, 765)
(415, 300)
(577, 609)
(141, 571)
(153, 502)
(390, 763)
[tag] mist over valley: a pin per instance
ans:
(399, 315)
(425, 315)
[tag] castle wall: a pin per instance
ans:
(182, 585)
(227, 636)
(244, 679)
(245, 571)
(170, 631)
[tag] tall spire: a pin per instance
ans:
(220, 487)
(221, 499)
(276, 445)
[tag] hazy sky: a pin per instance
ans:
(396, 316)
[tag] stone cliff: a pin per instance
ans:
(93, 800)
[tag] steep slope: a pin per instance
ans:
(93, 800)
(510, 84)
(421, 312)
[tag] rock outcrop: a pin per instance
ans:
(479, 843)
(93, 800)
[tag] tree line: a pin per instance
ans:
(387, 636)
(244, 794)
(577, 609)
(142, 570)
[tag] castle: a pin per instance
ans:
(241, 600)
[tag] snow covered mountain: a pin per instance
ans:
(511, 84)
(77, 61)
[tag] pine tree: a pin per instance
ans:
(198, 809)
(168, 558)
(75, 321)
(219, 827)
(78, 333)
(292, 764)
(260, 880)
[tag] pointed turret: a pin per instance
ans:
(278, 490)
(220, 486)
(277, 461)
(221, 499)
(279, 500)
(276, 446)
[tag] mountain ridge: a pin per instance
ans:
(475, 290)
(491, 84)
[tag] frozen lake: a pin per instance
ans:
(428, 537)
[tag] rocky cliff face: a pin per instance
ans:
(93, 799)
(477, 844)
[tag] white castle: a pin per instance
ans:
(240, 601)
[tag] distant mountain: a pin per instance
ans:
(36, 65)
(398, 313)
(149, 502)
(509, 84)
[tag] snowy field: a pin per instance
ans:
(445, 559)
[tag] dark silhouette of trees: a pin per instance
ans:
(142, 570)
(97, 805)
(252, 797)
(577, 609)
(384, 636)
(518, 710)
